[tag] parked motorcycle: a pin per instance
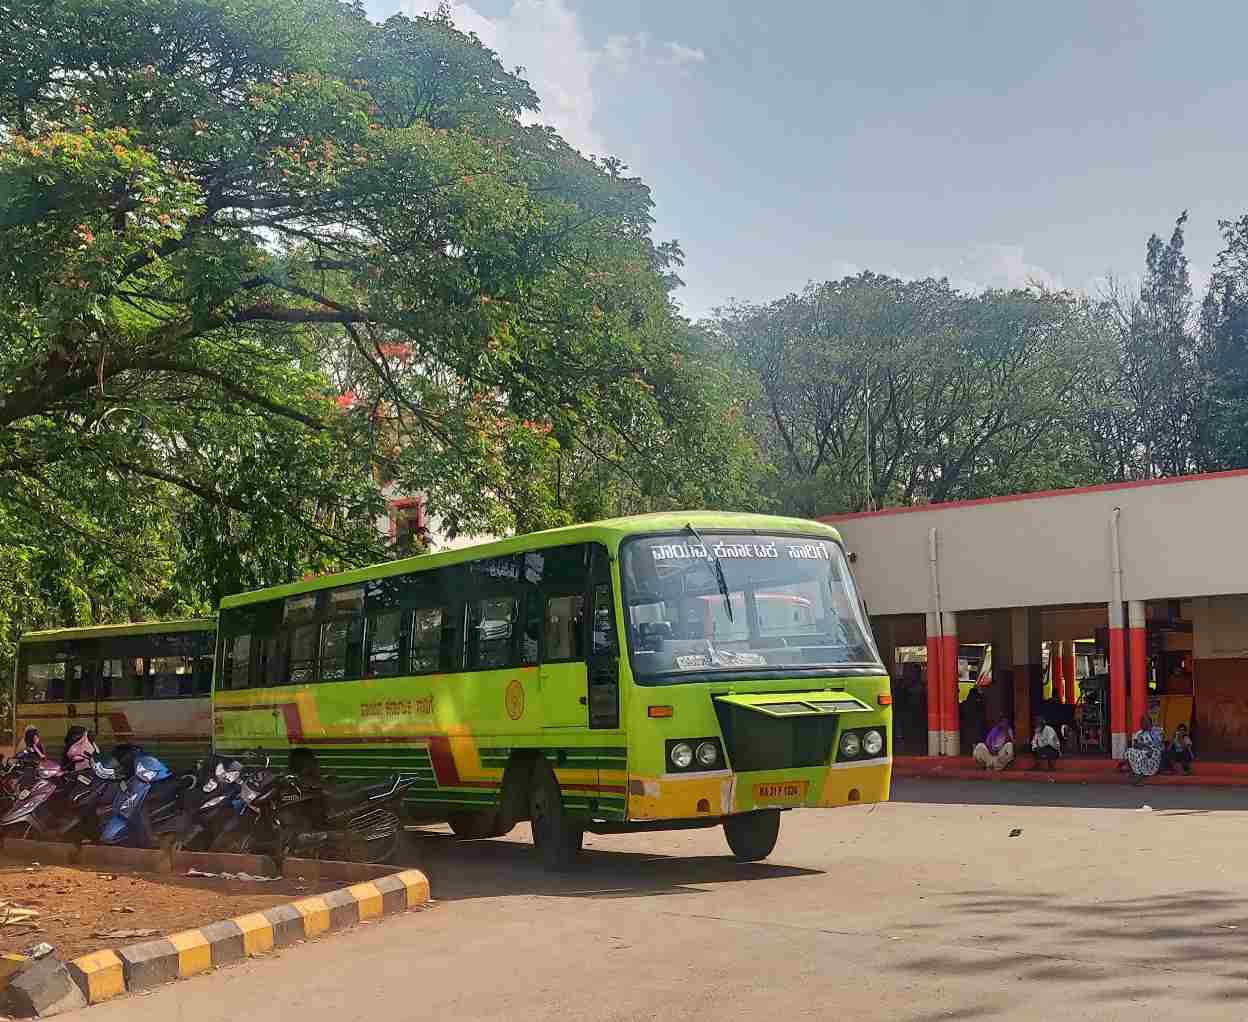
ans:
(85, 799)
(211, 805)
(37, 782)
(287, 815)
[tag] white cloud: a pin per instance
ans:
(626, 53)
(996, 265)
(680, 54)
(545, 38)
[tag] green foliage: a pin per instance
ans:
(260, 259)
(878, 391)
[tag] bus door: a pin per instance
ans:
(603, 665)
(561, 675)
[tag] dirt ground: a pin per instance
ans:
(82, 910)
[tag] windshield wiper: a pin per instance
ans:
(719, 570)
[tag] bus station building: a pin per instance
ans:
(1149, 577)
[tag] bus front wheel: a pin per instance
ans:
(752, 836)
(556, 837)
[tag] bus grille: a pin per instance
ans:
(755, 741)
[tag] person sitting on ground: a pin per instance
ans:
(1045, 746)
(1144, 756)
(1179, 750)
(996, 751)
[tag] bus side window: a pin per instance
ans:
(203, 675)
(564, 628)
(491, 632)
(342, 635)
(270, 669)
(384, 635)
(603, 633)
(79, 681)
(45, 683)
(236, 672)
(116, 678)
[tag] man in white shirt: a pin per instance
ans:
(1045, 746)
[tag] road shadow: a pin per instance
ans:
(459, 870)
(1171, 801)
(1061, 940)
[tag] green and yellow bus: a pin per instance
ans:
(146, 683)
(656, 672)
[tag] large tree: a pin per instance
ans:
(1224, 337)
(259, 258)
(876, 391)
(1154, 428)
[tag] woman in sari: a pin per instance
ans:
(1144, 755)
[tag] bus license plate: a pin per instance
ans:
(772, 792)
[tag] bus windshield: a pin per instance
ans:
(782, 602)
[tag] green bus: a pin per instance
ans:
(656, 672)
(148, 683)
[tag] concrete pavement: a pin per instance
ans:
(922, 909)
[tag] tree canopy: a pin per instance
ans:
(260, 259)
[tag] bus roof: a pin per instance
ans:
(613, 529)
(195, 624)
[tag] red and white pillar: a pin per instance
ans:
(1057, 663)
(1117, 682)
(1068, 669)
(935, 655)
(951, 730)
(1138, 652)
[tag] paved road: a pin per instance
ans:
(920, 910)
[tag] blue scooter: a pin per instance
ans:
(148, 802)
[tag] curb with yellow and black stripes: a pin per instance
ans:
(106, 974)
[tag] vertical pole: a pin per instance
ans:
(951, 726)
(1057, 662)
(934, 674)
(1068, 659)
(1117, 652)
(1137, 644)
(1117, 683)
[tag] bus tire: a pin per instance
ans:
(752, 836)
(555, 836)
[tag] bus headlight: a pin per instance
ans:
(708, 754)
(851, 744)
(872, 743)
(682, 755)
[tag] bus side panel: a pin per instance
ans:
(176, 731)
(454, 733)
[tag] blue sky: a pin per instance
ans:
(995, 143)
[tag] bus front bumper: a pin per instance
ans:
(722, 793)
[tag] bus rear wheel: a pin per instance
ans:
(752, 836)
(556, 837)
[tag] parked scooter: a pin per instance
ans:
(148, 803)
(212, 804)
(34, 792)
(86, 799)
